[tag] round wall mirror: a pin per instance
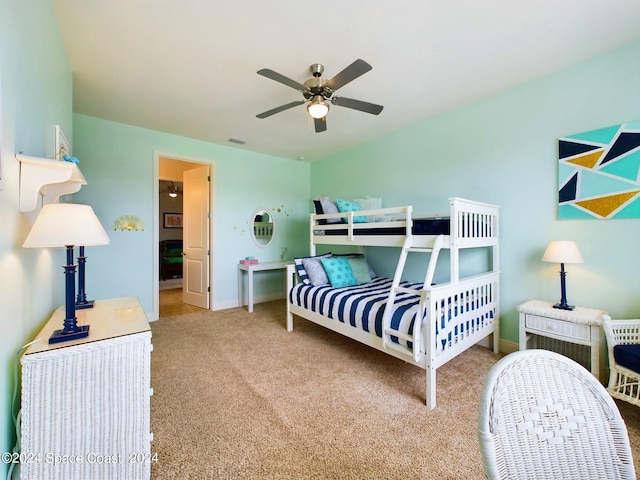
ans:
(263, 227)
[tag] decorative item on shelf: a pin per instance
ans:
(128, 222)
(562, 251)
(64, 155)
(249, 261)
(67, 225)
(67, 158)
(283, 252)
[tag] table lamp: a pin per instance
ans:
(67, 225)
(562, 251)
(81, 299)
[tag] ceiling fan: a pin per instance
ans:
(318, 92)
(172, 189)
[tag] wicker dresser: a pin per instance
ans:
(86, 403)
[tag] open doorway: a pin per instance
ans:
(170, 196)
(182, 239)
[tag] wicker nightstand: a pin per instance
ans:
(575, 333)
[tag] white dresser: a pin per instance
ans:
(86, 403)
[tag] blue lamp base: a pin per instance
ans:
(80, 304)
(81, 299)
(62, 336)
(71, 330)
(563, 305)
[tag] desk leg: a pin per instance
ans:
(250, 285)
(240, 288)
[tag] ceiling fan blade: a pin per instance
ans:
(366, 107)
(265, 72)
(320, 124)
(353, 71)
(279, 109)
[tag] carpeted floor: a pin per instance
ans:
(239, 397)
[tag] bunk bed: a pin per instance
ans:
(423, 323)
(171, 259)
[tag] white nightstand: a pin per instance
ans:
(575, 333)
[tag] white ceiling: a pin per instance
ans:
(188, 67)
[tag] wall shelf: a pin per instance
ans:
(51, 178)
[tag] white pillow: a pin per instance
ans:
(371, 203)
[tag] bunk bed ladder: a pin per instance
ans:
(387, 332)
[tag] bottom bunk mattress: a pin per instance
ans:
(363, 306)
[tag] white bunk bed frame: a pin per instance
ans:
(472, 225)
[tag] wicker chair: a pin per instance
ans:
(544, 416)
(623, 343)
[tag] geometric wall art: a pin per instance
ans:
(599, 173)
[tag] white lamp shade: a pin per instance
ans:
(562, 251)
(63, 224)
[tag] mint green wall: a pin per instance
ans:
(35, 95)
(117, 161)
(504, 150)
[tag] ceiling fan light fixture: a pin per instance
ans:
(318, 108)
(318, 93)
(173, 190)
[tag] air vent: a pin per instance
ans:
(237, 140)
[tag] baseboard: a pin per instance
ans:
(506, 346)
(259, 299)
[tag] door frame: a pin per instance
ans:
(156, 224)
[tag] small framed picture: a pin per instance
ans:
(172, 220)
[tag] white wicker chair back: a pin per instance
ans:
(544, 416)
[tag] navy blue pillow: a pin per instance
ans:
(627, 356)
(318, 207)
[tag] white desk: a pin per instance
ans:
(258, 267)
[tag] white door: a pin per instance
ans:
(195, 273)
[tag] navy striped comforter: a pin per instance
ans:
(361, 306)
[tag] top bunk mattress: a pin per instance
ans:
(434, 225)
(421, 226)
(474, 222)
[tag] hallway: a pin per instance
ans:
(171, 303)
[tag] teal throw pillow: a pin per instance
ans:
(360, 269)
(339, 272)
(349, 206)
